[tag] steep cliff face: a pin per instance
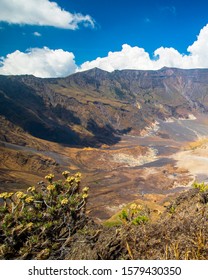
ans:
(94, 107)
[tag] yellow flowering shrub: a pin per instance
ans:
(42, 217)
(201, 186)
(134, 214)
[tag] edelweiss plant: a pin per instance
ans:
(38, 220)
(202, 187)
(134, 214)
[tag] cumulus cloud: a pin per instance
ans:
(58, 63)
(137, 58)
(41, 12)
(39, 62)
(199, 49)
(128, 58)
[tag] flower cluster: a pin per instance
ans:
(6, 195)
(50, 187)
(31, 189)
(29, 199)
(21, 195)
(49, 177)
(70, 179)
(133, 206)
(85, 189)
(64, 201)
(65, 173)
(85, 195)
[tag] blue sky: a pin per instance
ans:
(56, 38)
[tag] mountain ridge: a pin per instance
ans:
(159, 93)
(96, 100)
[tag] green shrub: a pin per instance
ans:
(140, 220)
(134, 214)
(124, 215)
(33, 222)
(201, 186)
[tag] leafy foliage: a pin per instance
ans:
(201, 186)
(34, 224)
(134, 215)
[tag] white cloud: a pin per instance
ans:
(41, 12)
(128, 58)
(58, 63)
(39, 62)
(137, 58)
(37, 34)
(199, 49)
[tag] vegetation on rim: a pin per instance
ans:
(37, 223)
